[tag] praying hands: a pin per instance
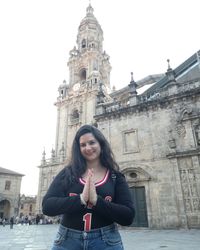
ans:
(89, 194)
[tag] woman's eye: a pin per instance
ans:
(92, 142)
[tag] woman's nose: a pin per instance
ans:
(88, 147)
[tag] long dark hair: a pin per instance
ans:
(77, 165)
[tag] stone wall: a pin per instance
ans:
(11, 195)
(161, 142)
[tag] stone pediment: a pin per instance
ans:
(136, 174)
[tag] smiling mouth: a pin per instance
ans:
(89, 154)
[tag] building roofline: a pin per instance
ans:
(177, 72)
(140, 83)
(9, 172)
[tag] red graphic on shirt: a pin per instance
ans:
(87, 218)
(108, 198)
(72, 194)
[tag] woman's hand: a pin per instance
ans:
(85, 194)
(92, 189)
(89, 194)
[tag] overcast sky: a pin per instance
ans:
(36, 37)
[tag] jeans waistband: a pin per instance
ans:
(92, 234)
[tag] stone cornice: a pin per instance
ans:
(161, 102)
(75, 96)
(193, 152)
(49, 164)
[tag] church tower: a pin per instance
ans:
(89, 75)
(88, 63)
(89, 67)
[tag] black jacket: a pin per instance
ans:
(114, 203)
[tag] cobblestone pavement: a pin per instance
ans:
(41, 237)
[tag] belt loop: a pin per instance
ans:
(84, 235)
(66, 233)
(102, 234)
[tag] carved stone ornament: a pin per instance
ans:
(185, 113)
(188, 113)
(180, 128)
(189, 188)
(171, 141)
(134, 175)
(197, 134)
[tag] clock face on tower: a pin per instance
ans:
(76, 87)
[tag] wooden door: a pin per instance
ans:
(139, 199)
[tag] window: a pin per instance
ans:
(133, 175)
(83, 43)
(130, 141)
(31, 207)
(82, 75)
(22, 206)
(44, 183)
(75, 116)
(7, 185)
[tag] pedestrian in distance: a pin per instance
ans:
(26, 220)
(91, 195)
(4, 222)
(37, 219)
(11, 222)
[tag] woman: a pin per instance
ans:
(91, 194)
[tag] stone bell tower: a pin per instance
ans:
(88, 63)
(89, 72)
(89, 67)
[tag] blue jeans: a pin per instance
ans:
(105, 238)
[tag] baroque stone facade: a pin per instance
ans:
(10, 184)
(154, 133)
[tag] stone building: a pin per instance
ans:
(10, 184)
(153, 126)
(27, 205)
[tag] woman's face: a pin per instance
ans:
(89, 147)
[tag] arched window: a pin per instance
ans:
(83, 43)
(82, 74)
